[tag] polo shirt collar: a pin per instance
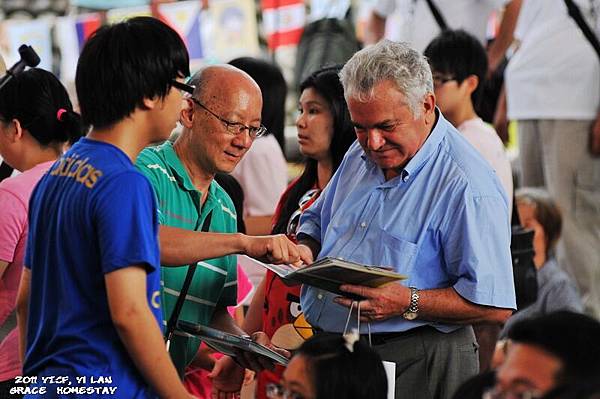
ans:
(178, 169)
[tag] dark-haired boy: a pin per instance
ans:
(459, 63)
(89, 301)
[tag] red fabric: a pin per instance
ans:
(281, 312)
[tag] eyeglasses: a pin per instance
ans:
(277, 391)
(183, 86)
(497, 393)
(235, 128)
(440, 80)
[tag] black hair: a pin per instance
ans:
(459, 54)
(274, 91)
(41, 104)
(125, 63)
(337, 372)
(571, 337)
(327, 83)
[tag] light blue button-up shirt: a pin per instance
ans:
(443, 222)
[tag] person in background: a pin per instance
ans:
(262, 172)
(551, 92)
(324, 135)
(414, 22)
(332, 366)
(388, 205)
(89, 299)
(36, 121)
(556, 291)
(459, 65)
(546, 352)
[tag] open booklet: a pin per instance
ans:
(227, 343)
(329, 273)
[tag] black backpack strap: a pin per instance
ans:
(5, 170)
(172, 323)
(439, 18)
(575, 13)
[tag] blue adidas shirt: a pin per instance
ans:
(91, 214)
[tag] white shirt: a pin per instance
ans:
(555, 73)
(262, 173)
(484, 138)
(412, 21)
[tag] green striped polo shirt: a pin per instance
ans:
(215, 281)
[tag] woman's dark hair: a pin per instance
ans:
(125, 63)
(41, 104)
(327, 83)
(337, 372)
(274, 90)
(546, 212)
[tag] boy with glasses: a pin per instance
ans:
(89, 300)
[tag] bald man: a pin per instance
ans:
(220, 122)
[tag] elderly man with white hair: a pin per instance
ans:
(414, 195)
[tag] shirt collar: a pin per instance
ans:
(181, 174)
(428, 148)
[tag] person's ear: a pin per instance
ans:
(470, 83)
(186, 117)
(150, 103)
(429, 104)
(15, 131)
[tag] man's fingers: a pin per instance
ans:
(365, 292)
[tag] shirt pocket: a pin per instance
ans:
(397, 253)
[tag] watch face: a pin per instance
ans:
(409, 315)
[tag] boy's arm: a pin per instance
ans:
(139, 332)
(22, 311)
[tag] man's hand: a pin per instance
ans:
(389, 300)
(306, 254)
(594, 144)
(272, 249)
(227, 378)
(256, 362)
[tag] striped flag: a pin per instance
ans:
(184, 17)
(283, 21)
(85, 25)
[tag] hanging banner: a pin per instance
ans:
(184, 17)
(229, 30)
(283, 21)
(119, 14)
(35, 32)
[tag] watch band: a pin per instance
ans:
(413, 307)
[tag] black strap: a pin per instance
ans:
(439, 18)
(575, 13)
(5, 170)
(172, 323)
(515, 220)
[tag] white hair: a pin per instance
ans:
(388, 61)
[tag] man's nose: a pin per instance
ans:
(375, 139)
(243, 139)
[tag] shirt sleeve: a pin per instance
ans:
(13, 224)
(476, 246)
(127, 223)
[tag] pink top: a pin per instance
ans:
(14, 202)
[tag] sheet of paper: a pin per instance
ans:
(390, 373)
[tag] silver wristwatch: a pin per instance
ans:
(413, 308)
